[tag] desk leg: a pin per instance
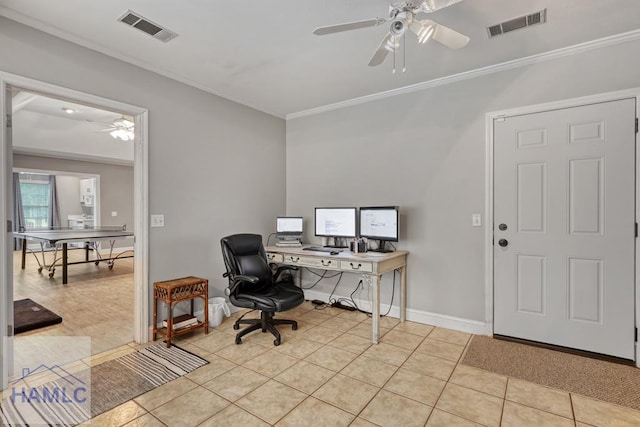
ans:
(403, 293)
(24, 252)
(64, 264)
(86, 251)
(375, 315)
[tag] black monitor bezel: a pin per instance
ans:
(372, 208)
(355, 219)
(285, 233)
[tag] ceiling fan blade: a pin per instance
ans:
(388, 44)
(320, 31)
(429, 6)
(448, 37)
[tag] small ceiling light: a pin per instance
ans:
(68, 110)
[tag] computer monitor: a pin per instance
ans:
(337, 223)
(380, 223)
(289, 225)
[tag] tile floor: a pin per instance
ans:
(327, 373)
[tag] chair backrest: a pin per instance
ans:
(244, 255)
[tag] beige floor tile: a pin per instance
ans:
(441, 349)
(242, 353)
(271, 363)
(298, 347)
(579, 424)
(191, 408)
(361, 422)
(414, 328)
(386, 322)
(470, 404)
(480, 380)
(233, 416)
(412, 413)
(305, 376)
(357, 316)
(316, 412)
(331, 358)
(388, 353)
(352, 343)
(516, 415)
(213, 342)
(320, 334)
(314, 316)
(339, 324)
(450, 336)
(440, 418)
(540, 397)
(416, 386)
(346, 393)
(271, 401)
(119, 415)
(430, 365)
(603, 414)
(146, 420)
(237, 382)
(216, 366)
(402, 339)
(370, 371)
(166, 392)
(364, 330)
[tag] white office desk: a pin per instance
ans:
(371, 264)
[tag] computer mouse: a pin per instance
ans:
(334, 252)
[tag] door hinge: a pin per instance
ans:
(636, 229)
(636, 125)
(636, 334)
(9, 330)
(9, 122)
(9, 226)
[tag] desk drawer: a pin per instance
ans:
(313, 262)
(365, 267)
(273, 257)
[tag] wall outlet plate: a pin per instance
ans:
(157, 220)
(476, 220)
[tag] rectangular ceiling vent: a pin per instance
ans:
(539, 17)
(156, 31)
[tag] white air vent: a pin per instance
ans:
(143, 24)
(539, 17)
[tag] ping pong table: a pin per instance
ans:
(59, 239)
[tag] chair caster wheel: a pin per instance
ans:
(97, 262)
(294, 327)
(40, 270)
(236, 326)
(276, 342)
(238, 340)
(111, 267)
(51, 275)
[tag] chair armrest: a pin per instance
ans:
(282, 268)
(237, 280)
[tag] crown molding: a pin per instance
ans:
(78, 157)
(496, 68)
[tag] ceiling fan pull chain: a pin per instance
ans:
(394, 61)
(404, 52)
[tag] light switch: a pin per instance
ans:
(476, 220)
(157, 220)
(114, 213)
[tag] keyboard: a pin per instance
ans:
(321, 249)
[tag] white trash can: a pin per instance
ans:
(218, 308)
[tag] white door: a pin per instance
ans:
(564, 228)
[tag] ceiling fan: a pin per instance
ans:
(402, 16)
(121, 128)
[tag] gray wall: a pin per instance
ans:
(425, 152)
(116, 187)
(220, 171)
(68, 190)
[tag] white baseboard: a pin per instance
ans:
(440, 320)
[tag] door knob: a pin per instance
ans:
(503, 242)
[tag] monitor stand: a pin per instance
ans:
(336, 244)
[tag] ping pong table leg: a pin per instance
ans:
(64, 263)
(24, 252)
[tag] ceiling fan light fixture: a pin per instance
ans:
(124, 130)
(424, 30)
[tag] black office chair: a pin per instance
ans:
(253, 284)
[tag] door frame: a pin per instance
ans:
(140, 214)
(489, 196)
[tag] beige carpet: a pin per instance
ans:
(608, 381)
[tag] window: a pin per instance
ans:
(35, 203)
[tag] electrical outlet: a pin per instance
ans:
(157, 220)
(476, 220)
